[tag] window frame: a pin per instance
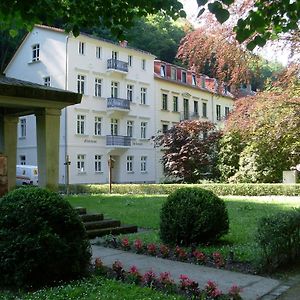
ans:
(143, 130)
(143, 95)
(81, 163)
(143, 164)
(80, 128)
(81, 48)
(81, 84)
(35, 52)
(164, 105)
(98, 87)
(98, 126)
(129, 163)
(98, 163)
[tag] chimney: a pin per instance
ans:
(123, 43)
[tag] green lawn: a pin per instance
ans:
(96, 288)
(144, 211)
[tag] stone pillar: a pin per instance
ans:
(8, 146)
(47, 129)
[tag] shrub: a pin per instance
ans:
(193, 216)
(42, 239)
(220, 189)
(279, 238)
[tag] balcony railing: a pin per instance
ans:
(118, 140)
(117, 65)
(118, 103)
(189, 116)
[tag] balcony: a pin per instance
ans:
(117, 66)
(189, 116)
(118, 104)
(118, 141)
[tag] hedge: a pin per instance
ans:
(220, 189)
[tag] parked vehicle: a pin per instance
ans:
(27, 175)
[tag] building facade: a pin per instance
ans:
(127, 99)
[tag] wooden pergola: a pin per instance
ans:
(21, 98)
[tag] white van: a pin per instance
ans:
(27, 175)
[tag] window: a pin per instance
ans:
(22, 128)
(114, 89)
(129, 92)
(194, 82)
(196, 108)
(81, 47)
(80, 124)
(143, 130)
(143, 95)
(80, 84)
(226, 111)
(183, 76)
(130, 128)
(144, 64)
(22, 160)
(98, 167)
(163, 71)
(81, 163)
(204, 109)
(47, 81)
(186, 109)
(130, 60)
(36, 52)
(164, 101)
(165, 128)
(98, 125)
(114, 55)
(98, 52)
(218, 108)
(114, 126)
(143, 163)
(129, 164)
(98, 84)
(175, 103)
(173, 73)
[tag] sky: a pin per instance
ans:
(269, 52)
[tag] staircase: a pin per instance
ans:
(97, 226)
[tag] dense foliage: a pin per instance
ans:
(42, 239)
(193, 216)
(261, 137)
(279, 238)
(257, 21)
(190, 150)
(75, 15)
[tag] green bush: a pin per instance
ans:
(220, 189)
(193, 215)
(42, 239)
(279, 238)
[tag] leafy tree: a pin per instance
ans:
(211, 49)
(75, 15)
(158, 34)
(190, 150)
(267, 128)
(259, 20)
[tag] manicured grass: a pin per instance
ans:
(144, 211)
(92, 289)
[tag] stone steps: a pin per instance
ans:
(97, 226)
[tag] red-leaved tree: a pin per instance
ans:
(190, 150)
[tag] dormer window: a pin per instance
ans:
(194, 79)
(183, 76)
(173, 73)
(163, 71)
(203, 82)
(36, 52)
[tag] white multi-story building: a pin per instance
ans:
(128, 97)
(115, 117)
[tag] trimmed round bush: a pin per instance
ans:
(193, 216)
(42, 239)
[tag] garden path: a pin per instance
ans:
(254, 287)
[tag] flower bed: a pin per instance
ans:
(191, 255)
(164, 282)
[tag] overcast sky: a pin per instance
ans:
(191, 8)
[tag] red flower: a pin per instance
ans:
(151, 249)
(125, 244)
(218, 259)
(164, 250)
(138, 246)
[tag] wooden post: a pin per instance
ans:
(110, 173)
(67, 164)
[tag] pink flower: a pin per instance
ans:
(133, 270)
(218, 259)
(212, 290)
(164, 250)
(165, 278)
(151, 249)
(235, 291)
(149, 278)
(199, 256)
(125, 244)
(138, 245)
(117, 266)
